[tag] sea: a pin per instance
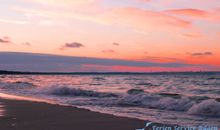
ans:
(191, 99)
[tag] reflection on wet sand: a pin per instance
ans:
(14, 97)
(1, 109)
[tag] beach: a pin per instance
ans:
(30, 115)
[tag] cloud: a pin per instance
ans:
(108, 51)
(189, 12)
(192, 35)
(144, 1)
(13, 21)
(50, 63)
(27, 43)
(161, 59)
(62, 2)
(115, 44)
(142, 19)
(212, 15)
(5, 40)
(202, 54)
(72, 45)
(136, 18)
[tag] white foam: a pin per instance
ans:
(138, 100)
(68, 91)
(156, 102)
(208, 107)
(168, 103)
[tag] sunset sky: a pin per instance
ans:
(132, 35)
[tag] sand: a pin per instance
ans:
(29, 115)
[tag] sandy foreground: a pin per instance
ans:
(35, 115)
(27, 115)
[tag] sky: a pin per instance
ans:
(110, 35)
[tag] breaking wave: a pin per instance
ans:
(135, 91)
(146, 84)
(16, 85)
(209, 107)
(156, 102)
(66, 91)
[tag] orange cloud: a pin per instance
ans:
(108, 51)
(5, 40)
(191, 35)
(138, 19)
(72, 45)
(145, 19)
(202, 14)
(144, 1)
(189, 12)
(13, 21)
(202, 53)
(62, 2)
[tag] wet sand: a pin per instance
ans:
(29, 115)
(1, 109)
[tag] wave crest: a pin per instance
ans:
(209, 107)
(17, 85)
(156, 102)
(66, 91)
(135, 91)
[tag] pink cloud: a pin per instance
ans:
(18, 22)
(212, 15)
(72, 45)
(189, 12)
(138, 19)
(144, 19)
(62, 2)
(5, 40)
(192, 35)
(144, 1)
(108, 51)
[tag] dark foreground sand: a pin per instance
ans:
(27, 115)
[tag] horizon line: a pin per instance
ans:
(89, 73)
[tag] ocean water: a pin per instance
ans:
(181, 99)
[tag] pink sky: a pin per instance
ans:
(161, 31)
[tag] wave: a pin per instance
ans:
(199, 98)
(132, 79)
(99, 78)
(209, 107)
(135, 91)
(67, 91)
(143, 99)
(213, 78)
(146, 84)
(202, 106)
(172, 95)
(168, 103)
(94, 84)
(156, 102)
(16, 85)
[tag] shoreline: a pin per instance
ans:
(31, 115)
